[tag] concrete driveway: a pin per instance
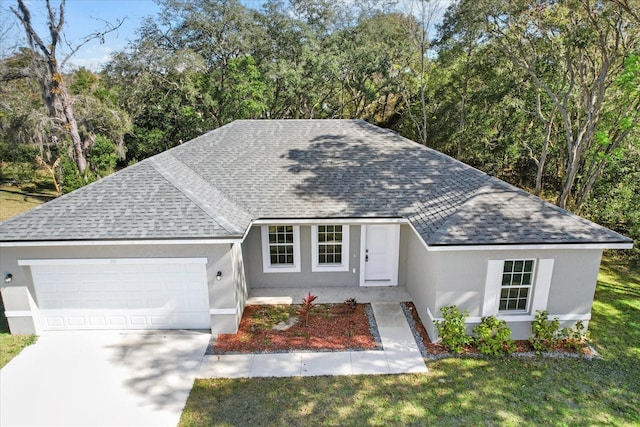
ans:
(101, 378)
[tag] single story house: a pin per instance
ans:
(176, 241)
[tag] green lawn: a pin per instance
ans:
(458, 391)
(13, 201)
(11, 345)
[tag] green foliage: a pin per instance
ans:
(69, 178)
(452, 330)
(19, 153)
(83, 81)
(102, 156)
(351, 304)
(575, 338)
(493, 337)
(544, 332)
(615, 199)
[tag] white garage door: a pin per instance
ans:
(151, 293)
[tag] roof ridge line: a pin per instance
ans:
(170, 167)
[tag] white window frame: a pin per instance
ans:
(530, 286)
(540, 287)
(266, 258)
(315, 264)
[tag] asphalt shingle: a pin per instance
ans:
(216, 184)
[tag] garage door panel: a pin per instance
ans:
(127, 296)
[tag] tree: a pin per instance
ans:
(48, 67)
(573, 52)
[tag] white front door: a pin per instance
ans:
(379, 255)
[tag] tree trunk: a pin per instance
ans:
(54, 92)
(573, 164)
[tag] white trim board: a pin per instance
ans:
(215, 311)
(18, 313)
(315, 221)
(119, 242)
(532, 247)
(518, 317)
(104, 261)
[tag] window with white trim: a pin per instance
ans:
(330, 247)
(280, 248)
(517, 283)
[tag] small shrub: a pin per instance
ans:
(307, 305)
(575, 338)
(351, 304)
(452, 330)
(544, 332)
(493, 337)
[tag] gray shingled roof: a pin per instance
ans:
(216, 184)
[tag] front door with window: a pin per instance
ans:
(379, 250)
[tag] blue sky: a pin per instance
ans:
(84, 17)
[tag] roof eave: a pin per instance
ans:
(525, 246)
(123, 242)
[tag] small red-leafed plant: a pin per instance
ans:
(307, 305)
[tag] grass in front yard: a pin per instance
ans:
(458, 391)
(22, 188)
(11, 345)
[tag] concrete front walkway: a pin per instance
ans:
(101, 378)
(400, 354)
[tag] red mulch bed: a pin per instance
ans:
(331, 327)
(522, 346)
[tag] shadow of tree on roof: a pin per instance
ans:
(380, 174)
(377, 176)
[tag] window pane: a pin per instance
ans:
(338, 259)
(517, 278)
(281, 259)
(508, 266)
(289, 259)
(322, 228)
(322, 259)
(338, 237)
(274, 259)
(288, 228)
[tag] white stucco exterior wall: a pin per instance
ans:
(441, 278)
(226, 296)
